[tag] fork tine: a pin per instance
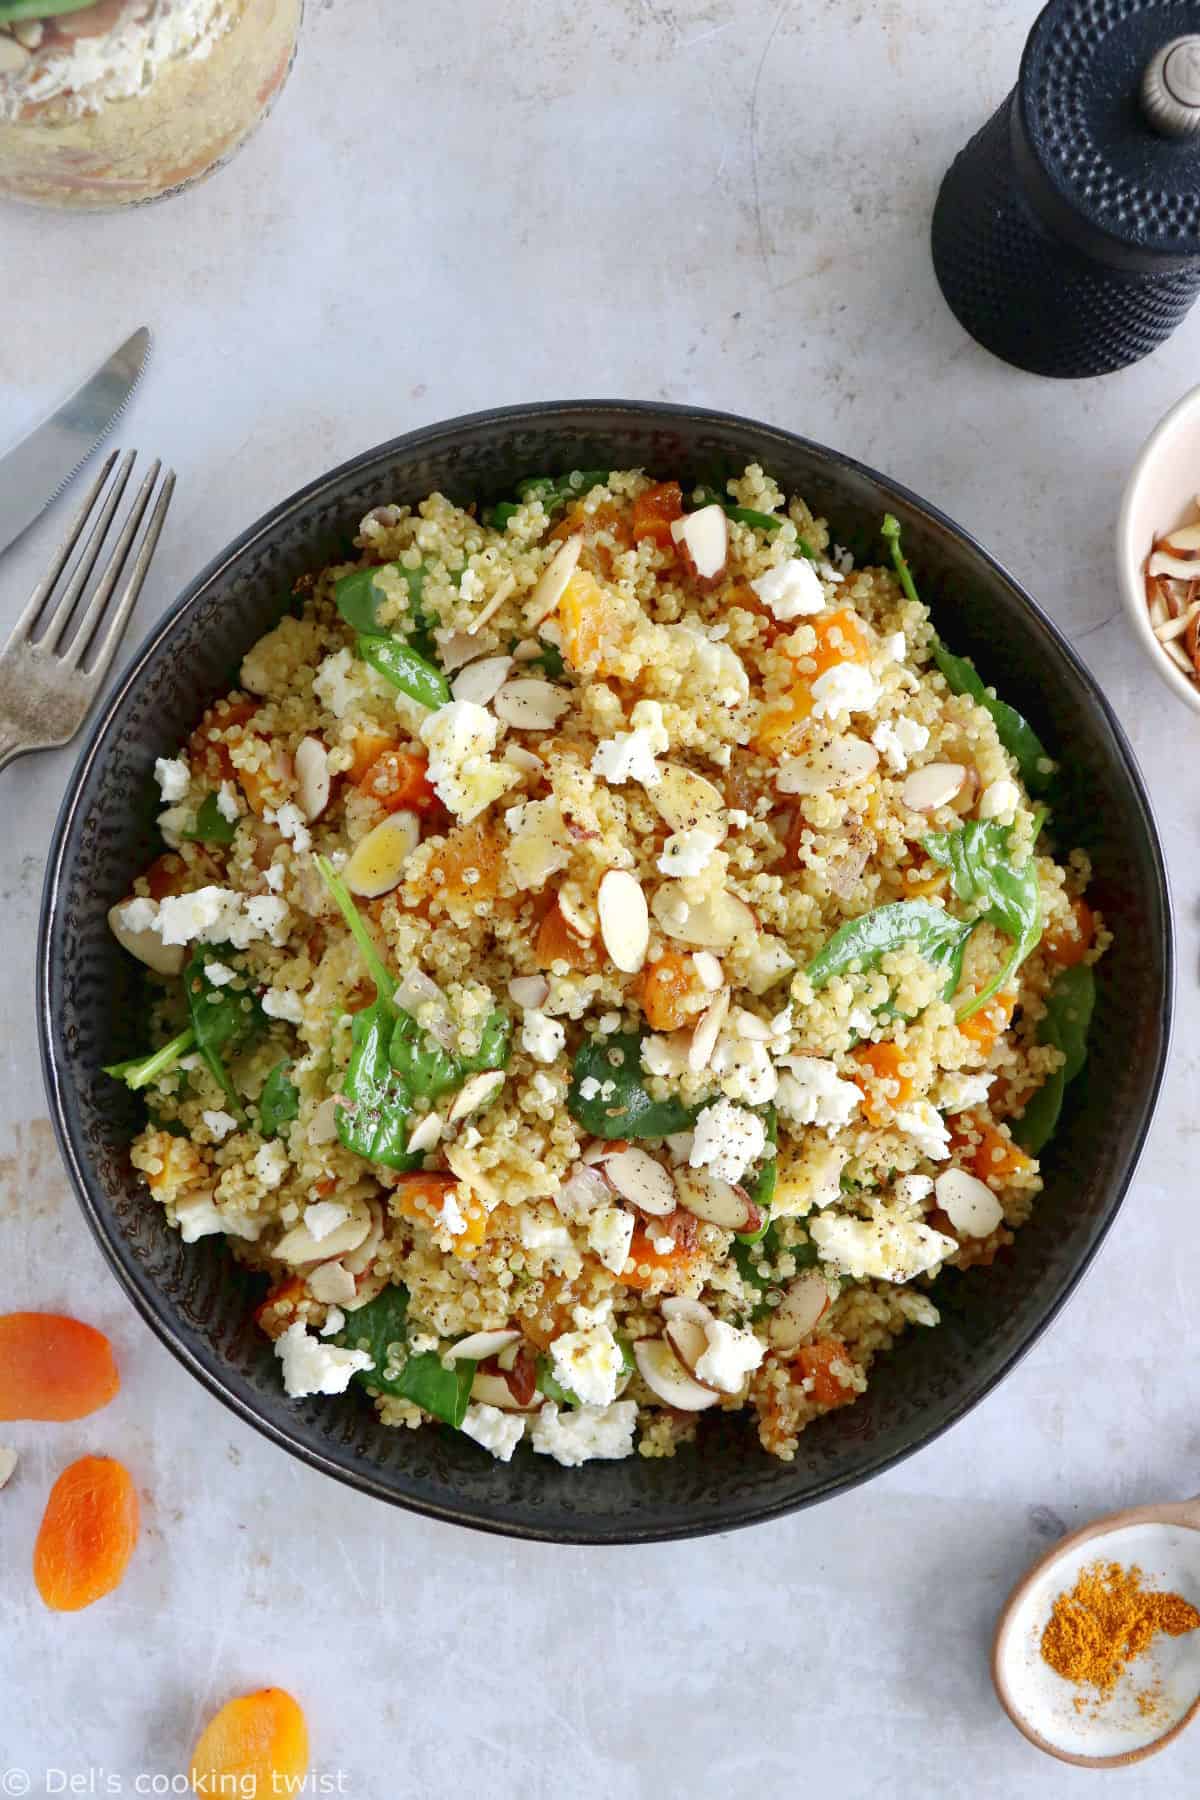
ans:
(59, 622)
(41, 593)
(98, 604)
(107, 645)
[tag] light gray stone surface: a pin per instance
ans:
(453, 207)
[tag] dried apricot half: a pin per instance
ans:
(256, 1744)
(87, 1534)
(52, 1367)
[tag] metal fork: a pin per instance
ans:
(54, 664)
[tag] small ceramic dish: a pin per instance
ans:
(1159, 495)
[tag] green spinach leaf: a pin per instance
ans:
(420, 1061)
(224, 1018)
(381, 1329)
(211, 827)
(406, 669)
(495, 1045)
(939, 937)
(982, 874)
(620, 1106)
(139, 1071)
(554, 491)
(1068, 1018)
(359, 596)
(279, 1103)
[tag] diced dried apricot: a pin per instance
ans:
(257, 1744)
(421, 1197)
(1069, 944)
(466, 866)
(671, 992)
(608, 520)
(743, 596)
(645, 1262)
(52, 1367)
(991, 1021)
(87, 1534)
(556, 942)
(369, 744)
(816, 1362)
(654, 511)
(288, 1303)
(210, 759)
(399, 779)
(985, 1150)
(167, 875)
(881, 1077)
(177, 1163)
(590, 624)
(841, 637)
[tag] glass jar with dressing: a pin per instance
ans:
(117, 102)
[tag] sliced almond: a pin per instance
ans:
(331, 1283)
(749, 1026)
(968, 1203)
(716, 922)
(426, 1134)
(529, 990)
(707, 1031)
(359, 1261)
(688, 801)
(934, 785)
(645, 1183)
(493, 605)
(377, 864)
(488, 1389)
(530, 704)
(298, 1246)
(481, 680)
(1186, 539)
(712, 975)
(804, 1303)
(717, 1202)
(577, 918)
(583, 1191)
(1180, 568)
(147, 946)
(624, 919)
(551, 582)
(8, 1462)
(322, 1127)
(312, 777)
(482, 1344)
(679, 1306)
(455, 649)
(842, 763)
(704, 534)
(521, 758)
(528, 650)
(689, 1341)
(476, 1092)
(679, 1146)
(666, 1377)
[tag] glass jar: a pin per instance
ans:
(124, 101)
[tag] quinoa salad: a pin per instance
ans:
(609, 955)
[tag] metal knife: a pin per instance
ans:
(38, 470)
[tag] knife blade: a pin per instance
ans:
(41, 465)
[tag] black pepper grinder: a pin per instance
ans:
(1066, 235)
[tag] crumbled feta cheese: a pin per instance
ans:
(290, 821)
(198, 1217)
(139, 915)
(543, 1231)
(957, 1091)
(627, 756)
(227, 802)
(898, 739)
(497, 1431)
(923, 1123)
(999, 800)
(728, 1140)
(585, 1433)
(767, 960)
(666, 1055)
(270, 1164)
(610, 1233)
(215, 915)
(589, 1363)
(911, 1190)
(219, 1123)
(266, 916)
(688, 852)
(343, 682)
(745, 1069)
(889, 1246)
(335, 1318)
(460, 738)
(543, 1037)
(324, 1216)
(274, 877)
(451, 1216)
(791, 590)
(847, 687)
(895, 647)
(731, 1356)
(283, 1003)
(219, 974)
(311, 1367)
(813, 1093)
(172, 776)
(589, 1087)
(647, 717)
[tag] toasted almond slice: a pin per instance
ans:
(551, 582)
(689, 1341)
(322, 1127)
(147, 946)
(1186, 538)
(805, 1301)
(528, 650)
(1180, 568)
(624, 919)
(584, 1190)
(666, 1377)
(748, 1025)
(705, 536)
(359, 1261)
(8, 1462)
(488, 1389)
(679, 1306)
(377, 863)
(482, 1344)
(717, 1202)
(482, 679)
(934, 785)
(711, 974)
(521, 758)
(456, 649)
(679, 1146)
(331, 1283)
(824, 768)
(529, 990)
(707, 1031)
(968, 1203)
(426, 1134)
(530, 704)
(312, 777)
(476, 1092)
(715, 923)
(298, 1246)
(493, 606)
(581, 922)
(645, 1183)
(688, 801)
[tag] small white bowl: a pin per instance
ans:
(1159, 496)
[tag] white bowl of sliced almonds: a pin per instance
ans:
(1158, 548)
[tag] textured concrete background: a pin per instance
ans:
(456, 206)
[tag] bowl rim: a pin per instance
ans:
(146, 1299)
(1131, 556)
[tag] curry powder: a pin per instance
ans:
(1106, 1621)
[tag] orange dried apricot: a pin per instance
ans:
(841, 637)
(590, 624)
(654, 511)
(420, 1197)
(256, 1745)
(369, 744)
(399, 779)
(1067, 945)
(556, 942)
(645, 1261)
(52, 1367)
(473, 850)
(880, 1076)
(815, 1362)
(986, 1025)
(986, 1151)
(87, 1534)
(671, 992)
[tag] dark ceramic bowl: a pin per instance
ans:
(198, 1300)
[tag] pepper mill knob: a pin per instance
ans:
(1066, 235)
(1171, 88)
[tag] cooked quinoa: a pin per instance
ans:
(607, 961)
